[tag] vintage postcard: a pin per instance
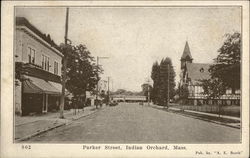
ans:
(125, 79)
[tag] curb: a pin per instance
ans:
(207, 120)
(85, 115)
(38, 133)
(74, 119)
(51, 128)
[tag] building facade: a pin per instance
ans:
(190, 76)
(38, 70)
(102, 86)
(129, 98)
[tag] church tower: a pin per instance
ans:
(186, 56)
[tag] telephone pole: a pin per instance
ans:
(96, 97)
(148, 91)
(108, 90)
(97, 90)
(64, 65)
(112, 84)
(168, 87)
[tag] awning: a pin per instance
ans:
(59, 87)
(37, 85)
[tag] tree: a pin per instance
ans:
(227, 64)
(163, 76)
(167, 80)
(183, 93)
(119, 92)
(225, 73)
(146, 90)
(213, 88)
(82, 73)
(155, 75)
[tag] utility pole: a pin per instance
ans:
(108, 90)
(97, 64)
(64, 66)
(168, 87)
(97, 90)
(148, 91)
(112, 84)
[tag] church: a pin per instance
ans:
(192, 73)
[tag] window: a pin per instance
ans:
(201, 70)
(56, 68)
(31, 55)
(229, 91)
(45, 62)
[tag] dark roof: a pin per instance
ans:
(21, 21)
(186, 52)
(198, 71)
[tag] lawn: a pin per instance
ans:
(231, 110)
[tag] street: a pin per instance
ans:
(133, 123)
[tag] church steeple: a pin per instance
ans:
(186, 53)
(186, 56)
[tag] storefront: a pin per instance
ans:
(39, 96)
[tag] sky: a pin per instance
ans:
(133, 38)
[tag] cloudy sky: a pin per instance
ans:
(134, 38)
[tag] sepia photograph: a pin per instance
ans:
(128, 75)
(101, 76)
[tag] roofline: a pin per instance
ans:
(202, 63)
(23, 22)
(30, 32)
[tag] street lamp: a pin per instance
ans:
(97, 63)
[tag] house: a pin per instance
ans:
(192, 73)
(38, 65)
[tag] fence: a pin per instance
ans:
(216, 109)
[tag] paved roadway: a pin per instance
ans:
(133, 123)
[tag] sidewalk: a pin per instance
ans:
(230, 121)
(29, 126)
(209, 114)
